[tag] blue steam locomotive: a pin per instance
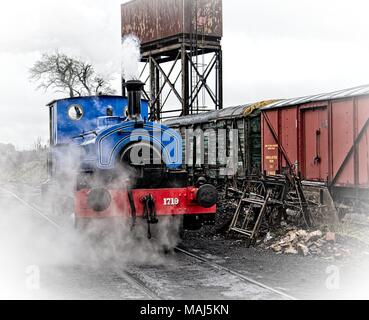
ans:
(107, 160)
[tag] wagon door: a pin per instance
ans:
(315, 144)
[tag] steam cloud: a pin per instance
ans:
(131, 57)
(28, 242)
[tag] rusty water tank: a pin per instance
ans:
(152, 20)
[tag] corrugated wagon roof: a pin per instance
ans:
(244, 110)
(340, 94)
(188, 120)
(230, 112)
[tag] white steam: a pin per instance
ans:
(29, 244)
(131, 57)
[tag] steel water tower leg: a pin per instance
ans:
(185, 82)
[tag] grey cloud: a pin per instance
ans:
(272, 49)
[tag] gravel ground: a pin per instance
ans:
(310, 277)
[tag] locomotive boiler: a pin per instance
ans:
(108, 161)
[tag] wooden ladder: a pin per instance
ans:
(245, 215)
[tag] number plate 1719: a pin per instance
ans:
(171, 201)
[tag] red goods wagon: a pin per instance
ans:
(325, 137)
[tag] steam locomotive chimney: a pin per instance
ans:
(134, 89)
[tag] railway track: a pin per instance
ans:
(130, 278)
(33, 208)
(239, 275)
(127, 276)
(140, 285)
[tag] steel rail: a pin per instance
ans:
(33, 208)
(134, 281)
(235, 273)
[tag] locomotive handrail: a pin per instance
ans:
(82, 135)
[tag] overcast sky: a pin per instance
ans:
(272, 49)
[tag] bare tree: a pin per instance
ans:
(62, 73)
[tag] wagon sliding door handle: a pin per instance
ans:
(317, 158)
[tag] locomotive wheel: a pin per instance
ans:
(192, 223)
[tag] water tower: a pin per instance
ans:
(181, 54)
